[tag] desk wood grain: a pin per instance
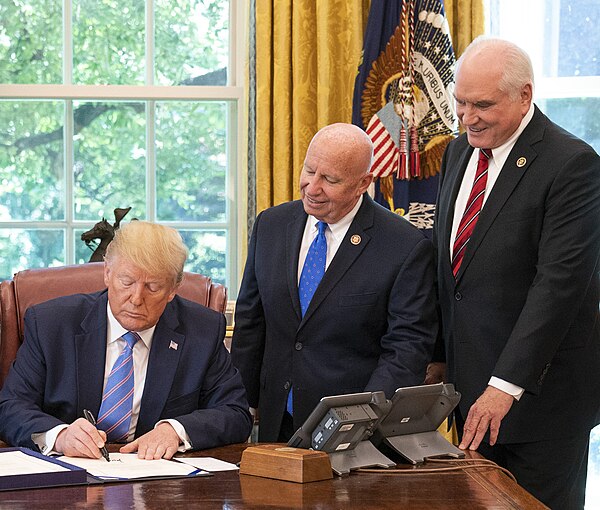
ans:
(475, 489)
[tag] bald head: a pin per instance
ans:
(348, 142)
(336, 171)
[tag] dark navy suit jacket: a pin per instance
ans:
(59, 371)
(371, 324)
(524, 305)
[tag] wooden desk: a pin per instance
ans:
(472, 489)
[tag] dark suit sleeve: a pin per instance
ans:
(223, 416)
(21, 397)
(247, 346)
(412, 324)
(569, 247)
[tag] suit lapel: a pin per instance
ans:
(90, 352)
(507, 181)
(162, 366)
(347, 253)
(294, 233)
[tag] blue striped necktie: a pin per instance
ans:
(115, 412)
(312, 273)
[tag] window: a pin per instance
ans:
(109, 105)
(563, 41)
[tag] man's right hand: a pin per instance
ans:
(80, 439)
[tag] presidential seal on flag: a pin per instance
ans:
(404, 102)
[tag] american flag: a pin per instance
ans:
(403, 87)
(384, 131)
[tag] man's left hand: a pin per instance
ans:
(162, 442)
(487, 412)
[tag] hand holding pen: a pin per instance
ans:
(90, 417)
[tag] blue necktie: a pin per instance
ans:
(115, 412)
(312, 272)
(314, 267)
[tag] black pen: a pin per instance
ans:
(90, 417)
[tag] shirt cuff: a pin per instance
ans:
(183, 437)
(506, 387)
(45, 440)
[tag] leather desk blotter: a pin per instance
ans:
(285, 463)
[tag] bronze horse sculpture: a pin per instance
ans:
(104, 231)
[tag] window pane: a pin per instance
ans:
(578, 38)
(191, 42)
(191, 161)
(579, 115)
(31, 160)
(109, 164)
(206, 253)
(24, 249)
(108, 42)
(561, 37)
(31, 42)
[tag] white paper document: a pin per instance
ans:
(208, 463)
(19, 463)
(127, 466)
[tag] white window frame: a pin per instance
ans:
(233, 93)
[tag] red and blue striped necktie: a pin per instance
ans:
(117, 401)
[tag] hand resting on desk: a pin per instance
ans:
(162, 442)
(82, 439)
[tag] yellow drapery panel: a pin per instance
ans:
(466, 20)
(307, 56)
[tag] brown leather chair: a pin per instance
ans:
(33, 286)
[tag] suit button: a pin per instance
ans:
(298, 346)
(287, 385)
(458, 296)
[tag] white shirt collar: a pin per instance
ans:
(116, 331)
(338, 230)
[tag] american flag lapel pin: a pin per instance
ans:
(173, 345)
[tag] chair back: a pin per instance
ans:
(33, 286)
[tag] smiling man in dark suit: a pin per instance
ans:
(517, 239)
(371, 323)
(184, 392)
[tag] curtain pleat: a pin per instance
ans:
(307, 54)
(466, 21)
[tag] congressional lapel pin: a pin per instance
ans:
(173, 345)
(521, 162)
(355, 239)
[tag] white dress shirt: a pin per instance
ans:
(334, 233)
(495, 164)
(114, 345)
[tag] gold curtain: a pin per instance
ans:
(466, 20)
(307, 56)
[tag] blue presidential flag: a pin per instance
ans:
(403, 100)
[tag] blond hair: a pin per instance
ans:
(153, 248)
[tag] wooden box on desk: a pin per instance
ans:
(284, 463)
